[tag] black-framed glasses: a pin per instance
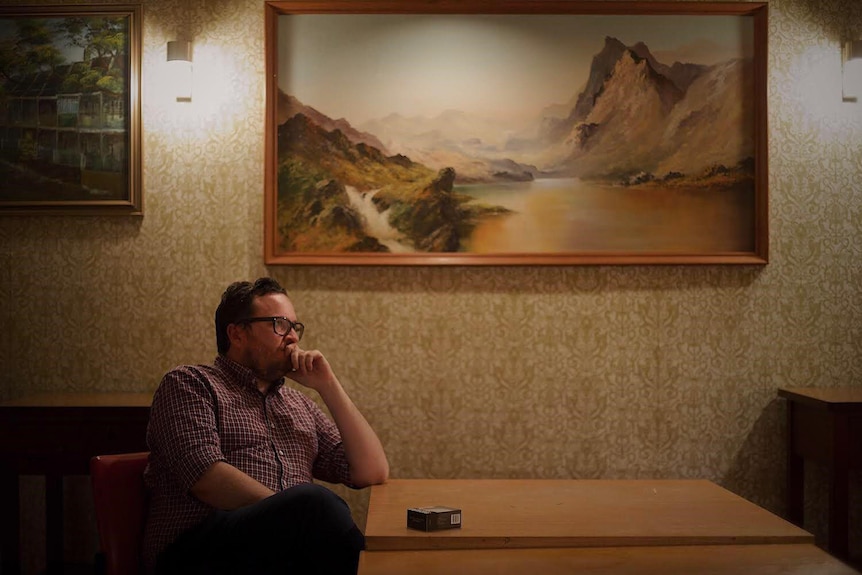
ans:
(280, 325)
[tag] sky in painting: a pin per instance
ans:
(364, 67)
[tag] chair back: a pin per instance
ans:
(120, 501)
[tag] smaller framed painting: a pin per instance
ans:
(70, 121)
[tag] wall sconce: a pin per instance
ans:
(851, 71)
(180, 69)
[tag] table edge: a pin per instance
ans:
(407, 543)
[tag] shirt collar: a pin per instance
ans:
(242, 374)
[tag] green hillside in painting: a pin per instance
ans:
(325, 180)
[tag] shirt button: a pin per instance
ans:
(281, 451)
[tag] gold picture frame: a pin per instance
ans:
(70, 110)
(647, 162)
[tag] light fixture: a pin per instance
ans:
(851, 72)
(180, 69)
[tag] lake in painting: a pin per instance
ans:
(568, 215)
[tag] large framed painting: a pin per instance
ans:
(70, 127)
(516, 133)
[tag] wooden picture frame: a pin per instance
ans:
(70, 110)
(647, 162)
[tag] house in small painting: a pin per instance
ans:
(48, 127)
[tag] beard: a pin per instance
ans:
(267, 365)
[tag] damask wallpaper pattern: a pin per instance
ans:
(613, 372)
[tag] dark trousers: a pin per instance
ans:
(306, 529)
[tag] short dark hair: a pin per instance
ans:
(236, 304)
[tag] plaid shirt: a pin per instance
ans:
(204, 414)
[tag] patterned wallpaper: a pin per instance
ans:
(584, 372)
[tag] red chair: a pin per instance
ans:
(120, 500)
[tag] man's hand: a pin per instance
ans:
(310, 368)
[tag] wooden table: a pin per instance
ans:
(524, 513)
(55, 435)
(791, 559)
(824, 425)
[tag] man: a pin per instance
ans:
(233, 452)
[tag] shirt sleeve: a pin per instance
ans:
(331, 462)
(182, 432)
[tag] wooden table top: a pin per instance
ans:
(830, 397)
(519, 513)
(107, 399)
(802, 559)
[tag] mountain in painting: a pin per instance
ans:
(289, 106)
(633, 115)
(636, 115)
(473, 146)
(710, 125)
(681, 74)
(614, 129)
